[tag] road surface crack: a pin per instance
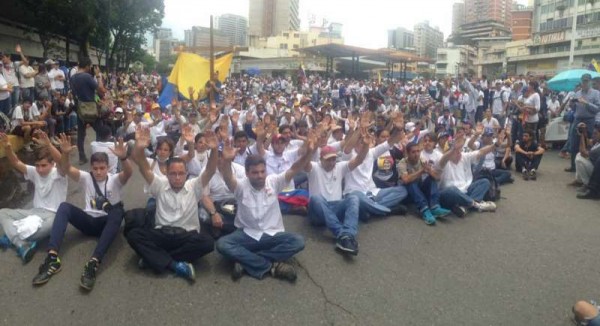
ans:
(324, 295)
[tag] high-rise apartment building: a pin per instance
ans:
(427, 40)
(486, 10)
(458, 16)
(522, 20)
(235, 27)
(401, 38)
(271, 17)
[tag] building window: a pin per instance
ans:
(283, 46)
(296, 46)
(286, 35)
(296, 35)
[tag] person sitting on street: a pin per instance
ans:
(25, 121)
(586, 313)
(528, 155)
(176, 240)
(420, 179)
(50, 190)
(459, 192)
(326, 206)
(486, 138)
(102, 216)
(589, 152)
(260, 244)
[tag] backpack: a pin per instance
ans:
(493, 194)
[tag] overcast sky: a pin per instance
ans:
(365, 21)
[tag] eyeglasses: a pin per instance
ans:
(177, 174)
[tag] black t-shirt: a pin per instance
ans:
(84, 86)
(531, 148)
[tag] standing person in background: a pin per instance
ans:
(27, 74)
(10, 74)
(84, 87)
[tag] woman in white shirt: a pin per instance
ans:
(531, 107)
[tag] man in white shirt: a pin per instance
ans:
(106, 145)
(326, 206)
(101, 217)
(459, 192)
(50, 190)
(57, 77)
(5, 91)
(260, 244)
(176, 239)
(25, 121)
(499, 102)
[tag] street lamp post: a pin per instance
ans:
(573, 35)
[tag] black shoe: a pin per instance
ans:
(525, 175)
(459, 211)
(88, 277)
(399, 210)
(284, 271)
(49, 267)
(570, 170)
(588, 194)
(347, 244)
(83, 160)
(238, 271)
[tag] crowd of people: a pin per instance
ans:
(224, 162)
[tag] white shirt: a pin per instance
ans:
(491, 123)
(217, 188)
(105, 147)
(50, 191)
(54, 82)
(433, 157)
(533, 100)
(258, 210)
(499, 98)
(459, 175)
(19, 114)
(3, 84)
(361, 178)
(177, 209)
(113, 193)
(26, 82)
(327, 184)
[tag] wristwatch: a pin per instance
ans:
(212, 213)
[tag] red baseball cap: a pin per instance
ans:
(328, 152)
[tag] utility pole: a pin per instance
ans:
(573, 35)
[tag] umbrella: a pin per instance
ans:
(567, 80)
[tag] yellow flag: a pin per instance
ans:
(192, 70)
(595, 64)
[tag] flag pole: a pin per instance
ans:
(212, 62)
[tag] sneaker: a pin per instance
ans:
(525, 175)
(532, 175)
(459, 211)
(185, 270)
(5, 242)
(238, 271)
(485, 206)
(428, 217)
(88, 277)
(346, 244)
(26, 251)
(49, 267)
(440, 212)
(283, 271)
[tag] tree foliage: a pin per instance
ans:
(115, 27)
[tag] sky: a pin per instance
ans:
(365, 22)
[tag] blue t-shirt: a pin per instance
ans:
(84, 86)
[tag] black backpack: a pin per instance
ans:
(493, 194)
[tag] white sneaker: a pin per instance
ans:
(485, 206)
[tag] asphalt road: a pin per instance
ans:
(526, 264)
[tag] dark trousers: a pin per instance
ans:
(105, 227)
(523, 161)
(159, 247)
(81, 135)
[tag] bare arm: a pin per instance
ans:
(188, 137)
(66, 148)
(55, 153)
(213, 159)
(142, 140)
(299, 165)
(225, 168)
(120, 152)
(362, 153)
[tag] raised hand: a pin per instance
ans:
(479, 128)
(18, 48)
(235, 117)
(42, 138)
(65, 143)
(249, 117)
(260, 130)
(4, 143)
(191, 92)
(365, 120)
(120, 149)
(187, 133)
(229, 151)
(211, 140)
(142, 137)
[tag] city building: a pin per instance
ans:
(271, 17)
(458, 16)
(486, 10)
(401, 38)
(284, 44)
(163, 43)
(455, 60)
(427, 40)
(235, 27)
(187, 37)
(522, 21)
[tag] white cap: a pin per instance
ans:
(119, 110)
(410, 126)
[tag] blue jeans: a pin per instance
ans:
(340, 216)
(257, 257)
(5, 107)
(501, 176)
(381, 204)
(424, 193)
(105, 227)
(452, 196)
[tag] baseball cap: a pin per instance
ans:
(119, 110)
(328, 152)
(50, 62)
(410, 126)
(155, 106)
(586, 77)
